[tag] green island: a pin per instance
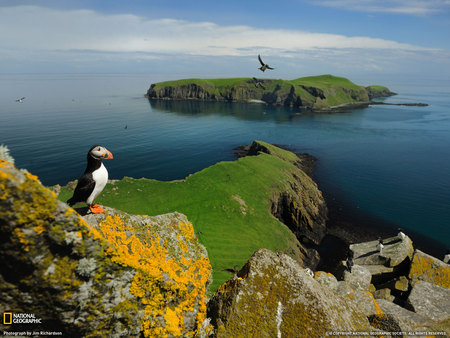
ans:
(229, 205)
(322, 92)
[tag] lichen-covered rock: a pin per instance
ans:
(395, 251)
(408, 320)
(121, 275)
(272, 296)
(326, 279)
(384, 293)
(358, 279)
(429, 269)
(430, 300)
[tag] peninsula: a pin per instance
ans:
(317, 93)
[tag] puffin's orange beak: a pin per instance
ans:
(108, 155)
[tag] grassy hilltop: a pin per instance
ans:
(314, 92)
(229, 205)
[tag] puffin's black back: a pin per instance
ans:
(86, 183)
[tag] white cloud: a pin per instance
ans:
(409, 7)
(84, 40)
(33, 28)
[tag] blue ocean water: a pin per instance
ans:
(391, 162)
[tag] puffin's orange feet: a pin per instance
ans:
(96, 208)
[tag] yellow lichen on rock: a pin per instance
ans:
(427, 268)
(160, 279)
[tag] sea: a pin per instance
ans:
(386, 163)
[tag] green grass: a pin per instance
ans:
(227, 203)
(337, 90)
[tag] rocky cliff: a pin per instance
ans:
(273, 296)
(320, 92)
(105, 275)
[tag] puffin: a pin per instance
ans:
(94, 179)
(264, 66)
(380, 245)
(20, 100)
(349, 261)
(401, 235)
(447, 257)
(258, 83)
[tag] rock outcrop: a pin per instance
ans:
(273, 296)
(105, 275)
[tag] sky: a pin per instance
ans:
(223, 38)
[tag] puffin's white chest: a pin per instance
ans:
(100, 177)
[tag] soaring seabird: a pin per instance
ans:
(94, 179)
(258, 83)
(401, 235)
(20, 100)
(349, 260)
(380, 245)
(264, 66)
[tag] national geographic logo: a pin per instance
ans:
(7, 318)
(20, 318)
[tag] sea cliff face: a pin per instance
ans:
(320, 92)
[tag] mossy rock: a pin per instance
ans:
(272, 296)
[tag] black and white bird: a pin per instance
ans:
(380, 245)
(20, 100)
(309, 272)
(447, 257)
(258, 83)
(401, 235)
(349, 261)
(264, 66)
(94, 179)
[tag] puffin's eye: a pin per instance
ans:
(98, 149)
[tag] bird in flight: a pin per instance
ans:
(20, 100)
(258, 83)
(264, 66)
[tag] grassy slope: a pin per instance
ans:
(211, 201)
(337, 89)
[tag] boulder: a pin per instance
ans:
(430, 300)
(107, 275)
(408, 320)
(273, 296)
(384, 293)
(429, 269)
(395, 251)
(358, 279)
(326, 279)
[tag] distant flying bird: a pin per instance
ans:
(264, 66)
(126, 126)
(380, 245)
(20, 100)
(94, 179)
(258, 83)
(349, 261)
